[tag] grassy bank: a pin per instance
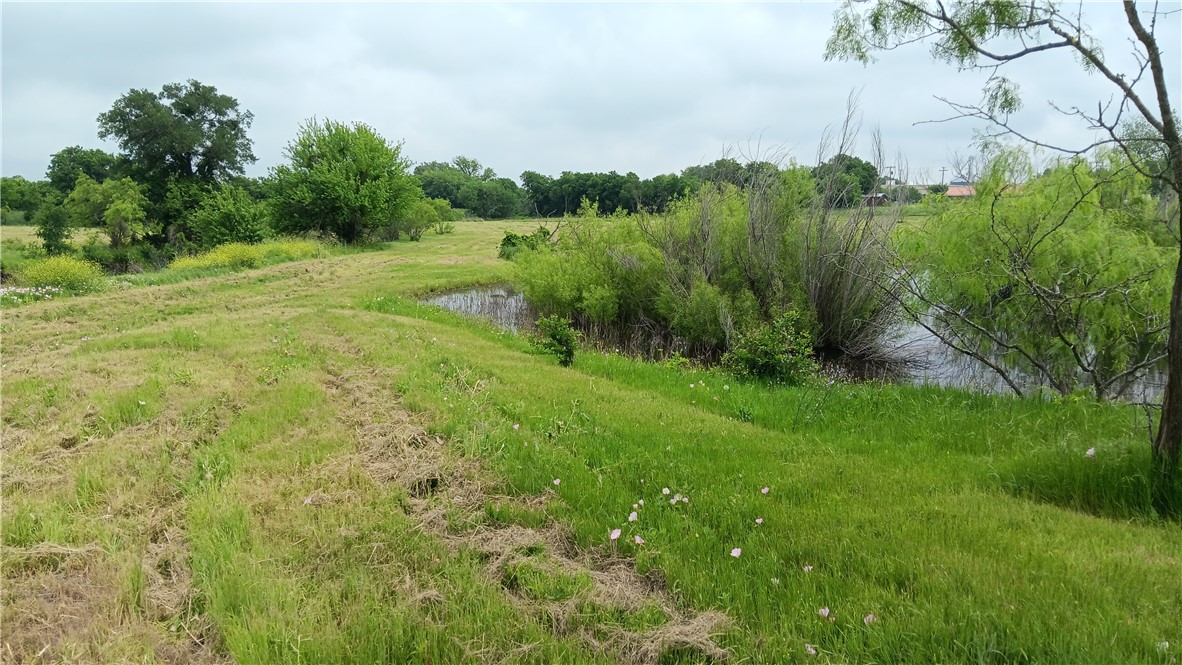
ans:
(301, 464)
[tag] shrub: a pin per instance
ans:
(70, 274)
(53, 227)
(555, 336)
(780, 351)
(442, 228)
(513, 243)
(229, 215)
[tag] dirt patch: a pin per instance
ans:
(394, 448)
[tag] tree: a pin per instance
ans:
(186, 132)
(343, 180)
(68, 163)
(845, 179)
(116, 206)
(991, 34)
(53, 227)
(24, 196)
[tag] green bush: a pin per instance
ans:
(53, 227)
(229, 215)
(70, 274)
(555, 336)
(780, 351)
(513, 243)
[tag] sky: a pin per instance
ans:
(547, 87)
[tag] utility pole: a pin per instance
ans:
(942, 170)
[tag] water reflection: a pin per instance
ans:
(922, 357)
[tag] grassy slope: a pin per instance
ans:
(186, 466)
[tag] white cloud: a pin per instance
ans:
(647, 88)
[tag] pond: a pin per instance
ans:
(923, 357)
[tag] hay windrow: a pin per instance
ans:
(395, 448)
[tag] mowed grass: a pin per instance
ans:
(187, 475)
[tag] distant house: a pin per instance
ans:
(875, 199)
(959, 190)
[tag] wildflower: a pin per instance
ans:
(869, 619)
(677, 497)
(639, 540)
(765, 490)
(615, 535)
(725, 387)
(665, 491)
(812, 651)
(691, 385)
(775, 580)
(635, 507)
(736, 552)
(759, 520)
(632, 516)
(1091, 452)
(808, 568)
(143, 403)
(823, 612)
(557, 481)
(685, 499)
(516, 426)
(641, 502)
(1163, 646)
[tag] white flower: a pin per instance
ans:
(759, 520)
(823, 612)
(1091, 452)
(632, 516)
(808, 568)
(869, 619)
(736, 552)
(812, 651)
(639, 540)
(557, 481)
(665, 491)
(1163, 646)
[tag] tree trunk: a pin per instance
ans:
(1169, 429)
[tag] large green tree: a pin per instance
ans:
(185, 136)
(996, 34)
(342, 180)
(118, 207)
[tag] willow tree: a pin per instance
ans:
(993, 35)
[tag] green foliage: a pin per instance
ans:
(420, 216)
(186, 132)
(69, 164)
(116, 206)
(556, 336)
(53, 227)
(25, 197)
(1051, 270)
(937, 189)
(780, 351)
(70, 274)
(229, 215)
(345, 181)
(513, 243)
(843, 180)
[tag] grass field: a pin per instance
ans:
(301, 464)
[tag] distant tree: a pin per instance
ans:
(493, 199)
(724, 170)
(937, 189)
(846, 179)
(444, 183)
(186, 132)
(472, 168)
(24, 196)
(343, 180)
(68, 163)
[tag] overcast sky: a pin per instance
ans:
(649, 88)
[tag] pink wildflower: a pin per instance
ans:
(765, 490)
(615, 534)
(632, 516)
(869, 619)
(759, 520)
(736, 552)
